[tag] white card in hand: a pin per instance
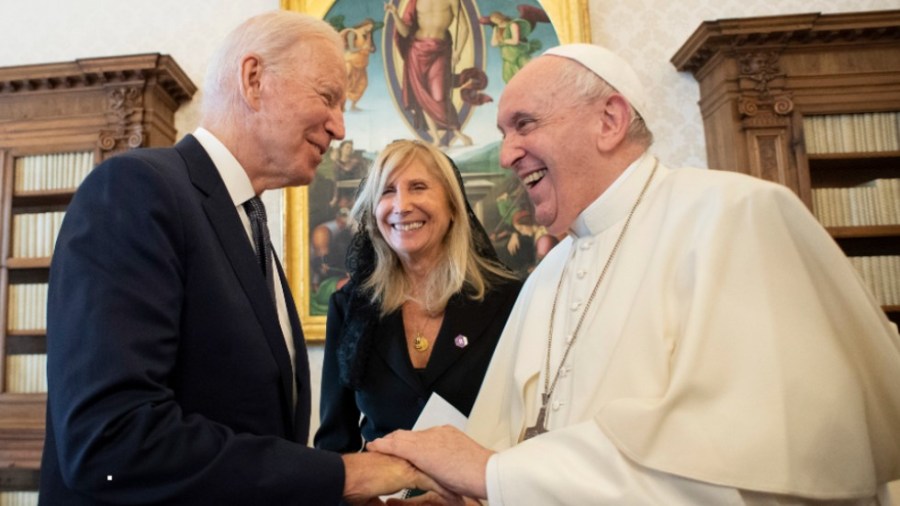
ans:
(438, 411)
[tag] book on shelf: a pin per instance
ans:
(852, 133)
(18, 498)
(53, 171)
(34, 234)
(26, 373)
(881, 275)
(27, 307)
(873, 203)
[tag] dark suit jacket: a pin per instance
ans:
(169, 379)
(393, 393)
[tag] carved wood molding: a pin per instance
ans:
(780, 32)
(763, 97)
(157, 68)
(114, 103)
(125, 114)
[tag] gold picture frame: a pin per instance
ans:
(570, 20)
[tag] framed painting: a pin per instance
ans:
(489, 41)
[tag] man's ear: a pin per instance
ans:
(251, 73)
(615, 120)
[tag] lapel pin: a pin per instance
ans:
(461, 341)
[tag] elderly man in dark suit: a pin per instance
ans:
(177, 367)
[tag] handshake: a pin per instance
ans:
(441, 460)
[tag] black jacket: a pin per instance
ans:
(169, 379)
(392, 393)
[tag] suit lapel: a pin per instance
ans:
(301, 362)
(236, 245)
(392, 349)
(457, 322)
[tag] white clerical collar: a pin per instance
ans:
(233, 174)
(615, 201)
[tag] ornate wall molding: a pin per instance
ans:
(92, 72)
(125, 115)
(761, 84)
(777, 32)
(121, 102)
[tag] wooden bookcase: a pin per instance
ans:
(767, 84)
(57, 121)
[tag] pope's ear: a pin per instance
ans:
(615, 118)
(251, 82)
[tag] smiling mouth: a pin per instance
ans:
(532, 179)
(406, 227)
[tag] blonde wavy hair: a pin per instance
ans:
(461, 267)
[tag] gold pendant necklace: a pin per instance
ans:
(540, 424)
(419, 342)
(421, 323)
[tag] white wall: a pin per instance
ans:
(646, 32)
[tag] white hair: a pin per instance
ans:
(275, 37)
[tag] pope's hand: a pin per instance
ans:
(444, 453)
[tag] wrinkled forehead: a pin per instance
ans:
(532, 90)
(319, 56)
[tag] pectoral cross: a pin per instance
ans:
(540, 425)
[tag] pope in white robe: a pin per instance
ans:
(730, 354)
(731, 343)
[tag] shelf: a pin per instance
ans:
(874, 231)
(867, 246)
(26, 342)
(18, 478)
(851, 169)
(28, 263)
(868, 156)
(891, 309)
(43, 198)
(22, 419)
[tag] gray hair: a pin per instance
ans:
(586, 87)
(275, 37)
(461, 264)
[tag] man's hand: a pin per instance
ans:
(444, 453)
(369, 475)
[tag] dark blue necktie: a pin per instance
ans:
(256, 211)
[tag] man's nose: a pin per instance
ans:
(510, 152)
(335, 124)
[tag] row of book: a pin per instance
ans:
(874, 203)
(852, 133)
(18, 498)
(882, 276)
(26, 373)
(34, 234)
(27, 308)
(56, 171)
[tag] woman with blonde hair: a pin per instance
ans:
(425, 305)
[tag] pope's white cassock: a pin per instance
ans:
(731, 348)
